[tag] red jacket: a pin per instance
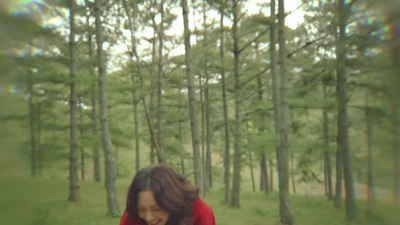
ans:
(202, 215)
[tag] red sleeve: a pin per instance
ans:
(202, 213)
(128, 221)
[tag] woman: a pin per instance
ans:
(160, 196)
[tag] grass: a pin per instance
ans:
(28, 201)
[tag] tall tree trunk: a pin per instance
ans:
(207, 109)
(368, 127)
(225, 111)
(160, 136)
(152, 71)
(343, 137)
(252, 171)
(271, 176)
(192, 99)
(275, 85)
(285, 209)
(202, 137)
(395, 157)
(39, 139)
(74, 194)
(339, 174)
(32, 124)
(264, 178)
(160, 152)
(81, 149)
(93, 97)
(327, 154)
(183, 153)
(237, 164)
(292, 174)
(112, 201)
(133, 53)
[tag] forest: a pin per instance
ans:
(281, 112)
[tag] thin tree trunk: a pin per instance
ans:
(74, 194)
(275, 85)
(225, 111)
(339, 185)
(160, 152)
(271, 172)
(285, 209)
(160, 84)
(151, 109)
(368, 127)
(264, 178)
(395, 158)
(292, 174)
(192, 99)
(183, 153)
(251, 171)
(343, 137)
(235, 195)
(202, 137)
(339, 163)
(327, 154)
(112, 200)
(96, 153)
(32, 124)
(133, 53)
(207, 109)
(81, 149)
(39, 139)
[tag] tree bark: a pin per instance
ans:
(112, 201)
(283, 153)
(81, 149)
(395, 157)
(133, 53)
(327, 154)
(32, 124)
(160, 135)
(275, 85)
(368, 127)
(39, 139)
(292, 174)
(271, 176)
(192, 99)
(74, 194)
(235, 194)
(252, 171)
(343, 137)
(225, 110)
(93, 97)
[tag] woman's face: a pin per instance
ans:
(149, 210)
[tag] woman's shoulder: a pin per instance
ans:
(126, 220)
(202, 213)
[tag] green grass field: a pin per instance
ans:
(27, 201)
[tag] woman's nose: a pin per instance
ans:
(149, 216)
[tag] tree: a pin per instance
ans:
(112, 201)
(192, 98)
(283, 152)
(93, 96)
(73, 167)
(225, 107)
(343, 135)
(238, 110)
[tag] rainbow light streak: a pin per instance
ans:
(364, 15)
(12, 89)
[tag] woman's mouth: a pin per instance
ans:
(154, 223)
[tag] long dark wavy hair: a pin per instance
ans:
(172, 191)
